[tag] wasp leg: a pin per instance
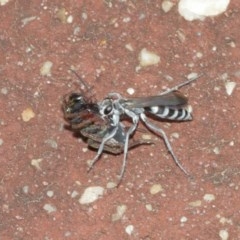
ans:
(165, 138)
(107, 137)
(135, 120)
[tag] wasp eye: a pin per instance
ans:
(107, 110)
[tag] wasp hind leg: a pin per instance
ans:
(165, 138)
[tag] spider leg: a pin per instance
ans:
(181, 85)
(135, 120)
(107, 137)
(165, 138)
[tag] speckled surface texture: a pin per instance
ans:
(44, 166)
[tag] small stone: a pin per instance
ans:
(74, 194)
(156, 188)
(149, 207)
(27, 114)
(216, 150)
(3, 2)
(4, 91)
(46, 68)
(166, 6)
(91, 194)
(129, 229)
(147, 58)
(121, 209)
(50, 193)
(36, 163)
(183, 219)
(199, 9)
(52, 143)
(230, 87)
(130, 91)
(196, 203)
(25, 189)
(70, 19)
(111, 185)
(129, 47)
(223, 234)
(49, 208)
(208, 197)
(1, 141)
(61, 15)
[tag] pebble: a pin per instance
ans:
(199, 9)
(4, 91)
(230, 87)
(3, 2)
(36, 163)
(129, 229)
(27, 114)
(196, 203)
(130, 91)
(156, 188)
(149, 207)
(183, 219)
(167, 6)
(147, 58)
(52, 143)
(208, 197)
(91, 194)
(50, 193)
(49, 208)
(223, 234)
(121, 209)
(46, 68)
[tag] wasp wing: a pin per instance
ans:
(176, 99)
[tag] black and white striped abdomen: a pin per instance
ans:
(172, 113)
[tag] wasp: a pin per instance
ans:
(102, 122)
(82, 112)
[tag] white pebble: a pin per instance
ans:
(196, 203)
(230, 87)
(129, 229)
(147, 58)
(216, 150)
(4, 91)
(183, 219)
(208, 197)
(129, 47)
(91, 194)
(167, 6)
(156, 188)
(70, 19)
(1, 141)
(36, 163)
(46, 68)
(130, 91)
(149, 207)
(50, 193)
(199, 9)
(49, 208)
(25, 189)
(3, 2)
(192, 75)
(223, 234)
(121, 209)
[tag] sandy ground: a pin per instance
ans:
(44, 166)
